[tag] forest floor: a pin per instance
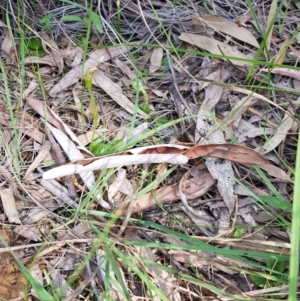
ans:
(148, 150)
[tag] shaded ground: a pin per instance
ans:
(150, 95)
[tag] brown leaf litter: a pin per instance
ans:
(45, 181)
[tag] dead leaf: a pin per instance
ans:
(29, 232)
(166, 282)
(74, 154)
(43, 111)
(43, 153)
(30, 88)
(216, 47)
(214, 92)
(119, 184)
(54, 50)
(228, 151)
(45, 60)
(4, 172)
(244, 18)
(86, 138)
(2, 24)
(127, 134)
(275, 171)
(95, 59)
(160, 171)
(37, 274)
(253, 132)
(295, 52)
(60, 282)
(203, 260)
(9, 205)
(280, 133)
(193, 188)
(210, 132)
(223, 172)
(280, 56)
(106, 270)
(54, 119)
(38, 214)
(8, 46)
(159, 93)
(155, 60)
(227, 27)
(60, 191)
(116, 93)
(293, 73)
(125, 69)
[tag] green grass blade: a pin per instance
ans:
(294, 257)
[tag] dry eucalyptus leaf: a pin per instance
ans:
(229, 151)
(159, 149)
(214, 92)
(280, 133)
(128, 135)
(43, 153)
(116, 93)
(155, 60)
(29, 232)
(9, 179)
(227, 27)
(275, 171)
(285, 72)
(125, 69)
(272, 13)
(245, 17)
(193, 188)
(166, 282)
(54, 51)
(8, 46)
(37, 274)
(103, 270)
(60, 282)
(30, 88)
(216, 47)
(54, 119)
(38, 214)
(45, 60)
(95, 59)
(280, 56)
(119, 184)
(220, 170)
(58, 190)
(74, 154)
(9, 205)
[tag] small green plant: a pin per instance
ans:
(45, 22)
(93, 17)
(239, 231)
(275, 265)
(34, 44)
(138, 86)
(88, 83)
(99, 148)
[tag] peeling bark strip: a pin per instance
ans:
(161, 154)
(113, 161)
